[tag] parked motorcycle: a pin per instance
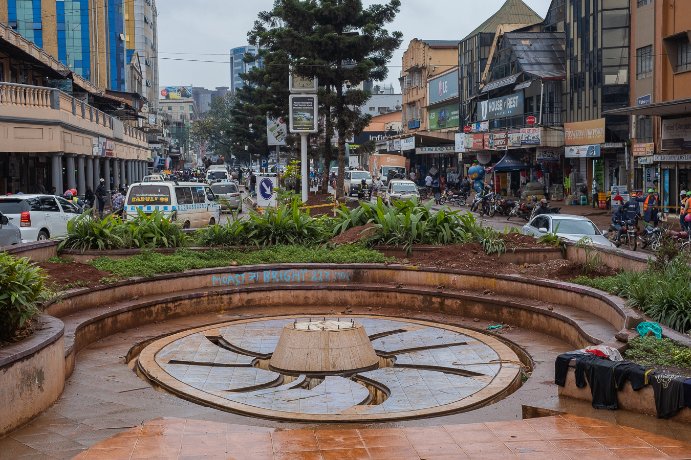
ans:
(522, 210)
(504, 206)
(628, 236)
(683, 239)
(651, 236)
(486, 205)
(454, 198)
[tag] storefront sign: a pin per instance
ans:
(408, 143)
(531, 136)
(501, 107)
(585, 132)
(644, 100)
(613, 145)
(394, 145)
(303, 113)
(548, 155)
(583, 151)
(443, 88)
(645, 160)
(459, 140)
(676, 134)
(515, 140)
(498, 141)
(480, 127)
(643, 149)
(439, 150)
(475, 142)
(444, 117)
(686, 157)
(488, 141)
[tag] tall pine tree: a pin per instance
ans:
(342, 44)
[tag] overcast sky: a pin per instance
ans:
(208, 29)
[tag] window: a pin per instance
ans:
(68, 207)
(48, 204)
(199, 195)
(644, 3)
(683, 55)
(644, 62)
(644, 129)
(184, 195)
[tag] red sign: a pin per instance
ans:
(467, 129)
(478, 142)
(530, 119)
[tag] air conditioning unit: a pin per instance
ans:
(122, 37)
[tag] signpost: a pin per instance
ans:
(303, 119)
(530, 119)
(266, 191)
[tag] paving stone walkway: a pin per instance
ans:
(558, 437)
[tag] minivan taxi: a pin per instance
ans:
(217, 175)
(193, 205)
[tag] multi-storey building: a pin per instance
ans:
(51, 139)
(178, 104)
(90, 37)
(203, 97)
(141, 22)
(238, 66)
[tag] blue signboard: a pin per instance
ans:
(266, 188)
(644, 100)
(443, 88)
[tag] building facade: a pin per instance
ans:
(180, 110)
(238, 66)
(89, 37)
(141, 22)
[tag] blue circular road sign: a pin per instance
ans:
(266, 188)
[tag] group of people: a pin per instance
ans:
(629, 212)
(97, 200)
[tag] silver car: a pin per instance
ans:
(9, 233)
(228, 195)
(399, 189)
(568, 227)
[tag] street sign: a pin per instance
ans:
(467, 129)
(303, 113)
(530, 119)
(302, 85)
(266, 191)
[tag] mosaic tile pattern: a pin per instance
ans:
(433, 367)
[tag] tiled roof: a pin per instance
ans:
(512, 12)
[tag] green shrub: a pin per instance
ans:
(21, 291)
(154, 230)
(151, 263)
(233, 233)
(87, 232)
(285, 225)
(664, 295)
(651, 351)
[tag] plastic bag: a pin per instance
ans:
(647, 327)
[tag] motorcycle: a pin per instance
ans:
(486, 205)
(504, 206)
(651, 236)
(522, 210)
(627, 236)
(454, 198)
(364, 193)
(682, 238)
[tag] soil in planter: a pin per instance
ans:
(73, 275)
(354, 235)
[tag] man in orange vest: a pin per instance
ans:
(650, 208)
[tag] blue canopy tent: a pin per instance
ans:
(508, 164)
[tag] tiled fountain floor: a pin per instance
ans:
(103, 397)
(559, 437)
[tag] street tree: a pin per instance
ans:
(341, 43)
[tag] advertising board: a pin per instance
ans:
(444, 117)
(303, 113)
(173, 93)
(443, 88)
(583, 151)
(276, 131)
(501, 107)
(585, 132)
(676, 134)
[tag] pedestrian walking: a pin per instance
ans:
(682, 205)
(595, 191)
(687, 212)
(101, 196)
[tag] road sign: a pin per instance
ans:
(303, 113)
(530, 119)
(266, 191)
(467, 129)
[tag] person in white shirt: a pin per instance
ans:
(428, 180)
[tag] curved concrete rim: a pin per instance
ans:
(148, 366)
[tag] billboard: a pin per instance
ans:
(173, 93)
(676, 134)
(443, 88)
(583, 151)
(276, 131)
(303, 113)
(501, 107)
(444, 117)
(585, 132)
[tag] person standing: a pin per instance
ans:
(413, 176)
(101, 196)
(682, 205)
(687, 212)
(595, 190)
(650, 208)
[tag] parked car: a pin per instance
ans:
(193, 205)
(9, 233)
(217, 175)
(39, 217)
(568, 227)
(228, 194)
(353, 181)
(399, 189)
(153, 178)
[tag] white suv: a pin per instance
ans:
(353, 182)
(39, 217)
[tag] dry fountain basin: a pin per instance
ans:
(364, 368)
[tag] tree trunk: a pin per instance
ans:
(340, 122)
(328, 151)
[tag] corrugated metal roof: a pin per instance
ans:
(512, 12)
(541, 54)
(442, 43)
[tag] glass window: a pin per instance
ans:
(14, 206)
(401, 187)
(574, 227)
(224, 188)
(184, 195)
(49, 204)
(683, 55)
(67, 206)
(644, 129)
(615, 18)
(615, 37)
(644, 62)
(198, 195)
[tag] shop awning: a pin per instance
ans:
(509, 163)
(661, 109)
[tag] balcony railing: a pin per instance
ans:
(16, 95)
